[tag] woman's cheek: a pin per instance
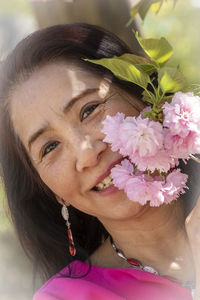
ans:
(58, 176)
(62, 186)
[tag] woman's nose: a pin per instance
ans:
(88, 153)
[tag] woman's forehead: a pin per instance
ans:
(56, 81)
(68, 73)
(52, 81)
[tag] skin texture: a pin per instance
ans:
(70, 155)
(81, 155)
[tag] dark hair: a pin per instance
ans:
(34, 209)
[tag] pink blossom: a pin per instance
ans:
(162, 161)
(151, 147)
(180, 147)
(142, 188)
(139, 189)
(111, 130)
(175, 184)
(182, 115)
(141, 136)
(121, 173)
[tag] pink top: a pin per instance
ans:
(110, 284)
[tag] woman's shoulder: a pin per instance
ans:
(46, 291)
(91, 282)
(59, 284)
(83, 283)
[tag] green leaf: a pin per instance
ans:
(135, 59)
(157, 6)
(147, 68)
(123, 70)
(167, 99)
(133, 13)
(141, 63)
(134, 10)
(145, 6)
(148, 96)
(142, 8)
(170, 80)
(157, 49)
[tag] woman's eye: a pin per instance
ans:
(49, 147)
(86, 111)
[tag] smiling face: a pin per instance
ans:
(58, 114)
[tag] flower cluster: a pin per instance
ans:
(153, 149)
(182, 118)
(166, 131)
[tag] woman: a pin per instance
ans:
(53, 156)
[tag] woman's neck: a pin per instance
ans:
(156, 237)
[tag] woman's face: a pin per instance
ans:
(58, 114)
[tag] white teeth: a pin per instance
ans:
(104, 183)
(107, 180)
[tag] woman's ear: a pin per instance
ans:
(62, 201)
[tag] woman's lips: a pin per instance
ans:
(111, 188)
(107, 191)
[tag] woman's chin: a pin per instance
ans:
(118, 206)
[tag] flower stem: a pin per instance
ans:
(148, 175)
(135, 170)
(161, 176)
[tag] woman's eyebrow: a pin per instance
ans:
(66, 109)
(84, 93)
(36, 135)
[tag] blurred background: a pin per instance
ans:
(179, 24)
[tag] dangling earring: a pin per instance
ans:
(65, 214)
